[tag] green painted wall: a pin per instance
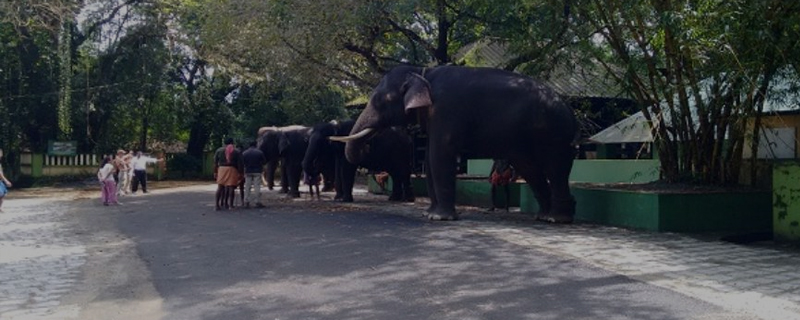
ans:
(479, 167)
(786, 201)
(627, 209)
(420, 186)
(527, 203)
(417, 183)
(478, 192)
(715, 212)
(595, 171)
(730, 212)
(615, 171)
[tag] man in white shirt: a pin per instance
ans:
(139, 163)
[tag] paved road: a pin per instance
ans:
(168, 255)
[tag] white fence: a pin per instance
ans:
(51, 165)
(79, 160)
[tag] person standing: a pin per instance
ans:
(108, 193)
(123, 171)
(502, 175)
(227, 162)
(140, 170)
(128, 158)
(241, 177)
(4, 183)
(254, 161)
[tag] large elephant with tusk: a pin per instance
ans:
(488, 113)
(391, 150)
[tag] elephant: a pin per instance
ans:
(268, 178)
(389, 150)
(292, 147)
(482, 112)
(287, 145)
(267, 141)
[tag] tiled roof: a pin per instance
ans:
(574, 80)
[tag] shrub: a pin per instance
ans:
(185, 165)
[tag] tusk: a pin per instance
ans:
(352, 137)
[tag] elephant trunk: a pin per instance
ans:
(355, 150)
(311, 154)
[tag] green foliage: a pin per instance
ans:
(196, 71)
(28, 94)
(184, 165)
(699, 69)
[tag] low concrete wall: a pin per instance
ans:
(418, 184)
(734, 212)
(615, 171)
(596, 171)
(38, 165)
(478, 192)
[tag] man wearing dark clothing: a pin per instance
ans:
(254, 161)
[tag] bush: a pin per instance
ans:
(185, 166)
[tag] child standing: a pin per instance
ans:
(105, 175)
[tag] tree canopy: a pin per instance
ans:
(133, 73)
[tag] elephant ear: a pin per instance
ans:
(418, 93)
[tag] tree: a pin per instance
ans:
(344, 43)
(699, 69)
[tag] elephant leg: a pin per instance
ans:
(429, 184)
(272, 165)
(442, 161)
(408, 189)
(348, 177)
(397, 187)
(284, 177)
(557, 170)
(294, 172)
(328, 178)
(338, 179)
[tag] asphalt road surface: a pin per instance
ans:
(170, 255)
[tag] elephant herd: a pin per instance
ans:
(310, 151)
(484, 112)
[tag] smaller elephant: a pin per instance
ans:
(292, 147)
(390, 150)
(269, 142)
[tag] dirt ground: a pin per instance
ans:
(87, 190)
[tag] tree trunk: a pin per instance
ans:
(65, 79)
(441, 53)
(198, 138)
(145, 125)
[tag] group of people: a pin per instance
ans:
(122, 174)
(234, 168)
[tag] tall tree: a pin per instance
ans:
(341, 41)
(700, 69)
